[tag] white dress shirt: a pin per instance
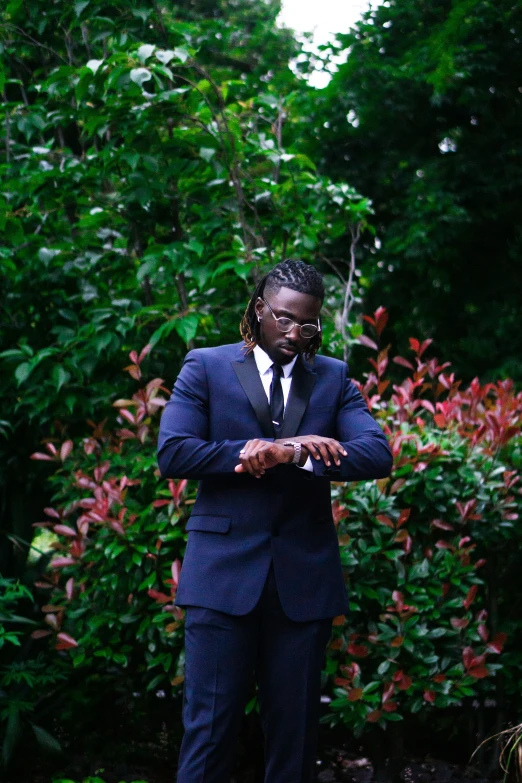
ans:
(264, 366)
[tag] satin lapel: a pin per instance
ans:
(303, 382)
(248, 376)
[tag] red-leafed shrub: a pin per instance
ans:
(417, 546)
(426, 627)
(119, 529)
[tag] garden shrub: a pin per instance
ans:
(25, 679)
(416, 545)
(424, 630)
(119, 538)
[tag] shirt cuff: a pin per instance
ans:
(307, 466)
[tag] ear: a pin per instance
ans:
(259, 307)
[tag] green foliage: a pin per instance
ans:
(25, 679)
(150, 176)
(423, 117)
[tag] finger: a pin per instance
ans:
(251, 458)
(335, 449)
(325, 454)
(312, 448)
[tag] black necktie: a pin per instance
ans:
(277, 403)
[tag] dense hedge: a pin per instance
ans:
(429, 615)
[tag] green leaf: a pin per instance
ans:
(22, 372)
(140, 76)
(60, 376)
(13, 732)
(144, 52)
(207, 153)
(80, 5)
(14, 231)
(187, 327)
(182, 53)
(46, 740)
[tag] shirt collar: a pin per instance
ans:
(264, 362)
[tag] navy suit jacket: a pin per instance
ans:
(240, 524)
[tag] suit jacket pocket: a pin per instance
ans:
(208, 523)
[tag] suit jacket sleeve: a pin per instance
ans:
(184, 450)
(369, 455)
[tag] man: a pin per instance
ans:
(264, 425)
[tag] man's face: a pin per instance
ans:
(300, 308)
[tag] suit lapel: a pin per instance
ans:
(248, 376)
(303, 382)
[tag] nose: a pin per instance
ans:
(294, 334)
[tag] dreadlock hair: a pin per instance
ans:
(292, 274)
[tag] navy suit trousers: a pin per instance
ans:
(223, 653)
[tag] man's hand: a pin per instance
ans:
(261, 455)
(318, 446)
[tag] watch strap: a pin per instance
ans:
(297, 450)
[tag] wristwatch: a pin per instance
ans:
(297, 450)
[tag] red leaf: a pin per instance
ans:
(390, 706)
(401, 536)
(388, 691)
(368, 342)
(429, 696)
(497, 643)
(374, 716)
(381, 319)
(176, 570)
(404, 516)
(51, 512)
(355, 694)
(414, 344)
(60, 562)
(478, 672)
(52, 620)
(397, 641)
(133, 356)
(358, 650)
(65, 530)
(384, 520)
(467, 657)
(402, 680)
(144, 352)
(403, 362)
(459, 622)
(42, 457)
(424, 345)
(66, 642)
(69, 587)
(160, 503)
(441, 524)
(483, 632)
(161, 598)
(472, 592)
(439, 678)
(40, 634)
(66, 449)
(397, 485)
